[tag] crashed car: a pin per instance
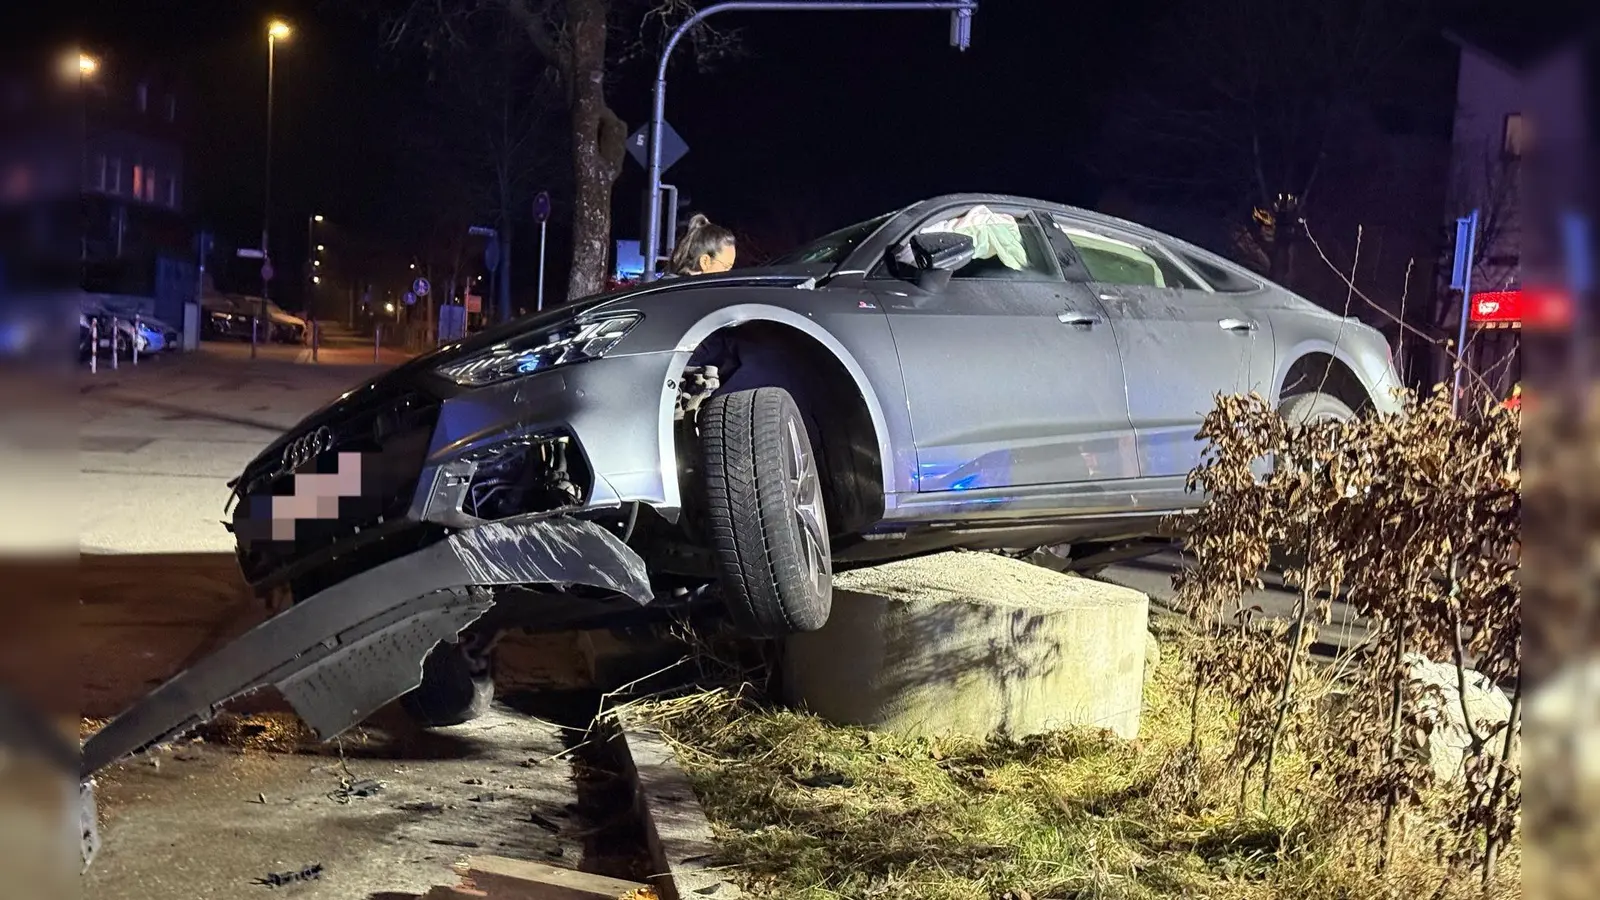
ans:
(971, 371)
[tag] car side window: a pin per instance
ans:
(1222, 279)
(1010, 245)
(1124, 259)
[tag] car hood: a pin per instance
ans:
(641, 297)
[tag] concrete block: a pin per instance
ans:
(973, 643)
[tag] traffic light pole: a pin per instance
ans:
(960, 37)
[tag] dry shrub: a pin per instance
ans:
(1414, 520)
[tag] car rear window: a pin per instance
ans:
(1223, 280)
(1115, 260)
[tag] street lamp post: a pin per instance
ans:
(960, 36)
(276, 31)
(313, 276)
(84, 68)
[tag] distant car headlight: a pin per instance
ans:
(571, 342)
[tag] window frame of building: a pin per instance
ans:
(1513, 136)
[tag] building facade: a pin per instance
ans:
(1514, 92)
(92, 175)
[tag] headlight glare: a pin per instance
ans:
(571, 342)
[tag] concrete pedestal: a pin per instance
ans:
(973, 643)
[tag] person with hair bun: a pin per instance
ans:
(706, 248)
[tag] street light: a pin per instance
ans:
(277, 30)
(82, 68)
(317, 217)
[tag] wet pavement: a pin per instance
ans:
(386, 820)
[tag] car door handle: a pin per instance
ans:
(1073, 317)
(1239, 326)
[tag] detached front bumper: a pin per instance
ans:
(341, 654)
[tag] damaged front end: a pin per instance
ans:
(340, 655)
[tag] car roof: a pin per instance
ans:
(1077, 212)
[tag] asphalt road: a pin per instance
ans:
(159, 442)
(1153, 576)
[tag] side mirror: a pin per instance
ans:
(941, 251)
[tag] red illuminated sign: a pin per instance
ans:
(1497, 308)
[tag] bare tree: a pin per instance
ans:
(490, 133)
(579, 42)
(1241, 105)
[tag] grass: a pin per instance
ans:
(808, 810)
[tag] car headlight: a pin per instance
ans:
(570, 342)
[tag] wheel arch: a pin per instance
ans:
(1318, 366)
(810, 339)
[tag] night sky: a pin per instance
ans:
(823, 119)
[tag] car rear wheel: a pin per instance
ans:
(457, 686)
(1304, 409)
(765, 519)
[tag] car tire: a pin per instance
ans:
(1314, 407)
(764, 514)
(455, 688)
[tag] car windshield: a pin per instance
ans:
(832, 248)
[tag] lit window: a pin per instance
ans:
(172, 108)
(144, 97)
(138, 180)
(1516, 136)
(172, 192)
(150, 179)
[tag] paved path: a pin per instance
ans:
(208, 821)
(160, 442)
(1153, 576)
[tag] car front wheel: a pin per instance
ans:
(457, 686)
(765, 519)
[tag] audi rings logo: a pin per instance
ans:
(306, 447)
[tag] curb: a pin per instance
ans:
(675, 825)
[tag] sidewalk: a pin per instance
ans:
(160, 441)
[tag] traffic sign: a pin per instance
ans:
(410, 298)
(266, 271)
(672, 146)
(541, 207)
(249, 253)
(420, 287)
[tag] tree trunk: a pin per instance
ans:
(503, 293)
(598, 144)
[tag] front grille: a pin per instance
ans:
(371, 470)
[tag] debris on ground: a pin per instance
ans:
(275, 879)
(499, 877)
(353, 790)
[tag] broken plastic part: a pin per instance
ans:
(382, 622)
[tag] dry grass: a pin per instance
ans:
(809, 810)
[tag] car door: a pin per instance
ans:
(1011, 373)
(1181, 342)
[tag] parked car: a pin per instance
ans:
(229, 317)
(130, 330)
(971, 371)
